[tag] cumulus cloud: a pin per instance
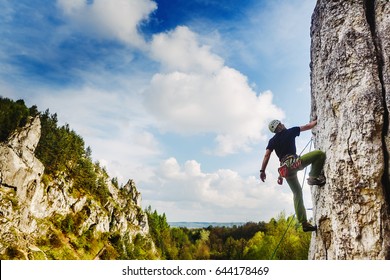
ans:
(179, 50)
(112, 19)
(222, 195)
(197, 93)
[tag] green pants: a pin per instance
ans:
(317, 160)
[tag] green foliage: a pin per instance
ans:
(68, 224)
(229, 243)
(60, 149)
(160, 233)
(63, 242)
(114, 182)
(13, 115)
(12, 253)
(109, 253)
(63, 152)
(282, 240)
(121, 248)
(249, 241)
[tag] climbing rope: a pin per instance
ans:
(310, 142)
(303, 183)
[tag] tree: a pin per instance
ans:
(13, 115)
(282, 240)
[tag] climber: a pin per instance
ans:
(283, 142)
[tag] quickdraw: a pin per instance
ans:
(288, 164)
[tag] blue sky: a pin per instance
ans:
(174, 94)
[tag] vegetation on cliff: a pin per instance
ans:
(60, 149)
(13, 114)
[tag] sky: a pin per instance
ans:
(173, 94)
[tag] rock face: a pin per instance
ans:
(350, 81)
(26, 204)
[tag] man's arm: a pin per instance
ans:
(264, 164)
(308, 126)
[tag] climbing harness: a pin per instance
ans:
(288, 164)
(291, 163)
(303, 182)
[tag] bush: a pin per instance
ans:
(13, 253)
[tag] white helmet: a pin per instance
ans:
(273, 125)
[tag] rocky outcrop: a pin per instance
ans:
(350, 81)
(29, 208)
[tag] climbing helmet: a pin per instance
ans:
(273, 125)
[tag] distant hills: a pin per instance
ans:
(191, 225)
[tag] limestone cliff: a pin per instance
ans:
(350, 81)
(34, 215)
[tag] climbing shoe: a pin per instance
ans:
(319, 181)
(306, 226)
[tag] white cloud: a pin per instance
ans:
(197, 93)
(186, 192)
(179, 50)
(112, 19)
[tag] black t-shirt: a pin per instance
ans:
(283, 142)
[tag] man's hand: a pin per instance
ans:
(280, 180)
(262, 175)
(264, 164)
(308, 126)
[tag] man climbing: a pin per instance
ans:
(283, 142)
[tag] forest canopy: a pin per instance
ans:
(280, 239)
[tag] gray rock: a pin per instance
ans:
(350, 97)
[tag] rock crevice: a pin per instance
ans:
(371, 11)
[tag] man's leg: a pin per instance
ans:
(316, 159)
(299, 206)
